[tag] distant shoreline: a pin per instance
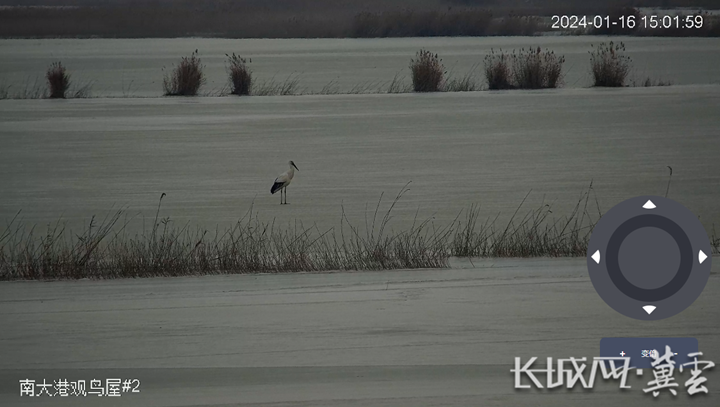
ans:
(136, 68)
(429, 18)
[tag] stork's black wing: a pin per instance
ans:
(276, 187)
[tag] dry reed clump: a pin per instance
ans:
(186, 78)
(427, 72)
(497, 70)
(608, 65)
(534, 69)
(240, 75)
(526, 69)
(104, 249)
(58, 80)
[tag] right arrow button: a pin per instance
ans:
(702, 256)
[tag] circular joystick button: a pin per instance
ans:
(649, 258)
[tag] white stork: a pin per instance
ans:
(281, 183)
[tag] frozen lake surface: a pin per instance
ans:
(401, 338)
(215, 157)
(120, 67)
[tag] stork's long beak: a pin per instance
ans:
(296, 167)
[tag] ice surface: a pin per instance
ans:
(420, 337)
(215, 157)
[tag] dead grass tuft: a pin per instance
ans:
(609, 66)
(58, 80)
(534, 69)
(497, 70)
(427, 72)
(186, 78)
(240, 75)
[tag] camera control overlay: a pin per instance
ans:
(649, 258)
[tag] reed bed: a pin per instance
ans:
(104, 249)
(525, 69)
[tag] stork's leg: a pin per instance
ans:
(281, 196)
(285, 195)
